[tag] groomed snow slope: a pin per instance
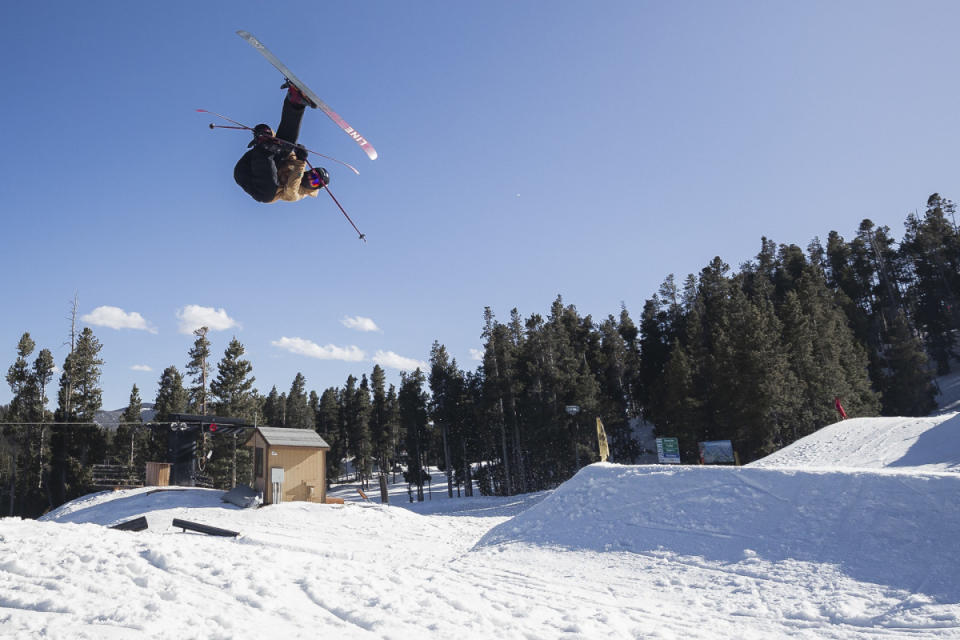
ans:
(895, 529)
(923, 444)
(800, 545)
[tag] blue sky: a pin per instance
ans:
(527, 149)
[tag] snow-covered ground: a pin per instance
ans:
(850, 533)
(919, 444)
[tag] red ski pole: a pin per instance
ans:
(339, 206)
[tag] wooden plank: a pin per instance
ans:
(204, 528)
(158, 474)
(137, 524)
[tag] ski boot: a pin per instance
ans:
(295, 96)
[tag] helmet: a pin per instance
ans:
(261, 130)
(315, 178)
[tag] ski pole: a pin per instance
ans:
(240, 125)
(363, 236)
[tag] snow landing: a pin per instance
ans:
(895, 529)
(800, 545)
(920, 444)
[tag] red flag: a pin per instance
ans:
(839, 407)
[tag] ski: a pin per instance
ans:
(309, 94)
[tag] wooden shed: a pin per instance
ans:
(289, 464)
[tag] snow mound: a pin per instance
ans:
(925, 444)
(882, 527)
(112, 507)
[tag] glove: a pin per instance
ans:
(300, 152)
(270, 147)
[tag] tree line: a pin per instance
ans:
(755, 355)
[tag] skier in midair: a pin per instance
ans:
(275, 168)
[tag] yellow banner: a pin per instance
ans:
(602, 439)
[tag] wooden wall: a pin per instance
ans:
(304, 472)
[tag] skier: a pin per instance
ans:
(275, 168)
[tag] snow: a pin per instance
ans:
(920, 444)
(849, 533)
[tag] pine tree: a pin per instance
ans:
(274, 409)
(76, 446)
(357, 422)
(630, 334)
(443, 403)
(36, 487)
(42, 374)
(682, 413)
(497, 380)
(379, 421)
(233, 396)
(932, 246)
(762, 400)
(412, 406)
(171, 399)
(299, 415)
(842, 362)
(171, 396)
(800, 340)
(329, 424)
(19, 379)
(199, 370)
(313, 403)
(615, 400)
(394, 429)
(123, 447)
(908, 385)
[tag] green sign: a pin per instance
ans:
(668, 451)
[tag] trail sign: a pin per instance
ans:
(716, 451)
(668, 451)
(573, 409)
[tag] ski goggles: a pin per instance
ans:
(315, 180)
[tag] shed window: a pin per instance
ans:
(258, 462)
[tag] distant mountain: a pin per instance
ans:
(111, 419)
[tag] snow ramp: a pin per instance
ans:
(891, 528)
(926, 444)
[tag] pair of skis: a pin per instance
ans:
(309, 94)
(314, 102)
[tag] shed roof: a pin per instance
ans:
(288, 437)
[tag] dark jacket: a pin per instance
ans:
(269, 174)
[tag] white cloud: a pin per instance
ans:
(193, 316)
(360, 323)
(141, 367)
(313, 350)
(117, 318)
(391, 360)
(476, 354)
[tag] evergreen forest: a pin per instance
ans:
(759, 354)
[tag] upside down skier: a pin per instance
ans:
(275, 167)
